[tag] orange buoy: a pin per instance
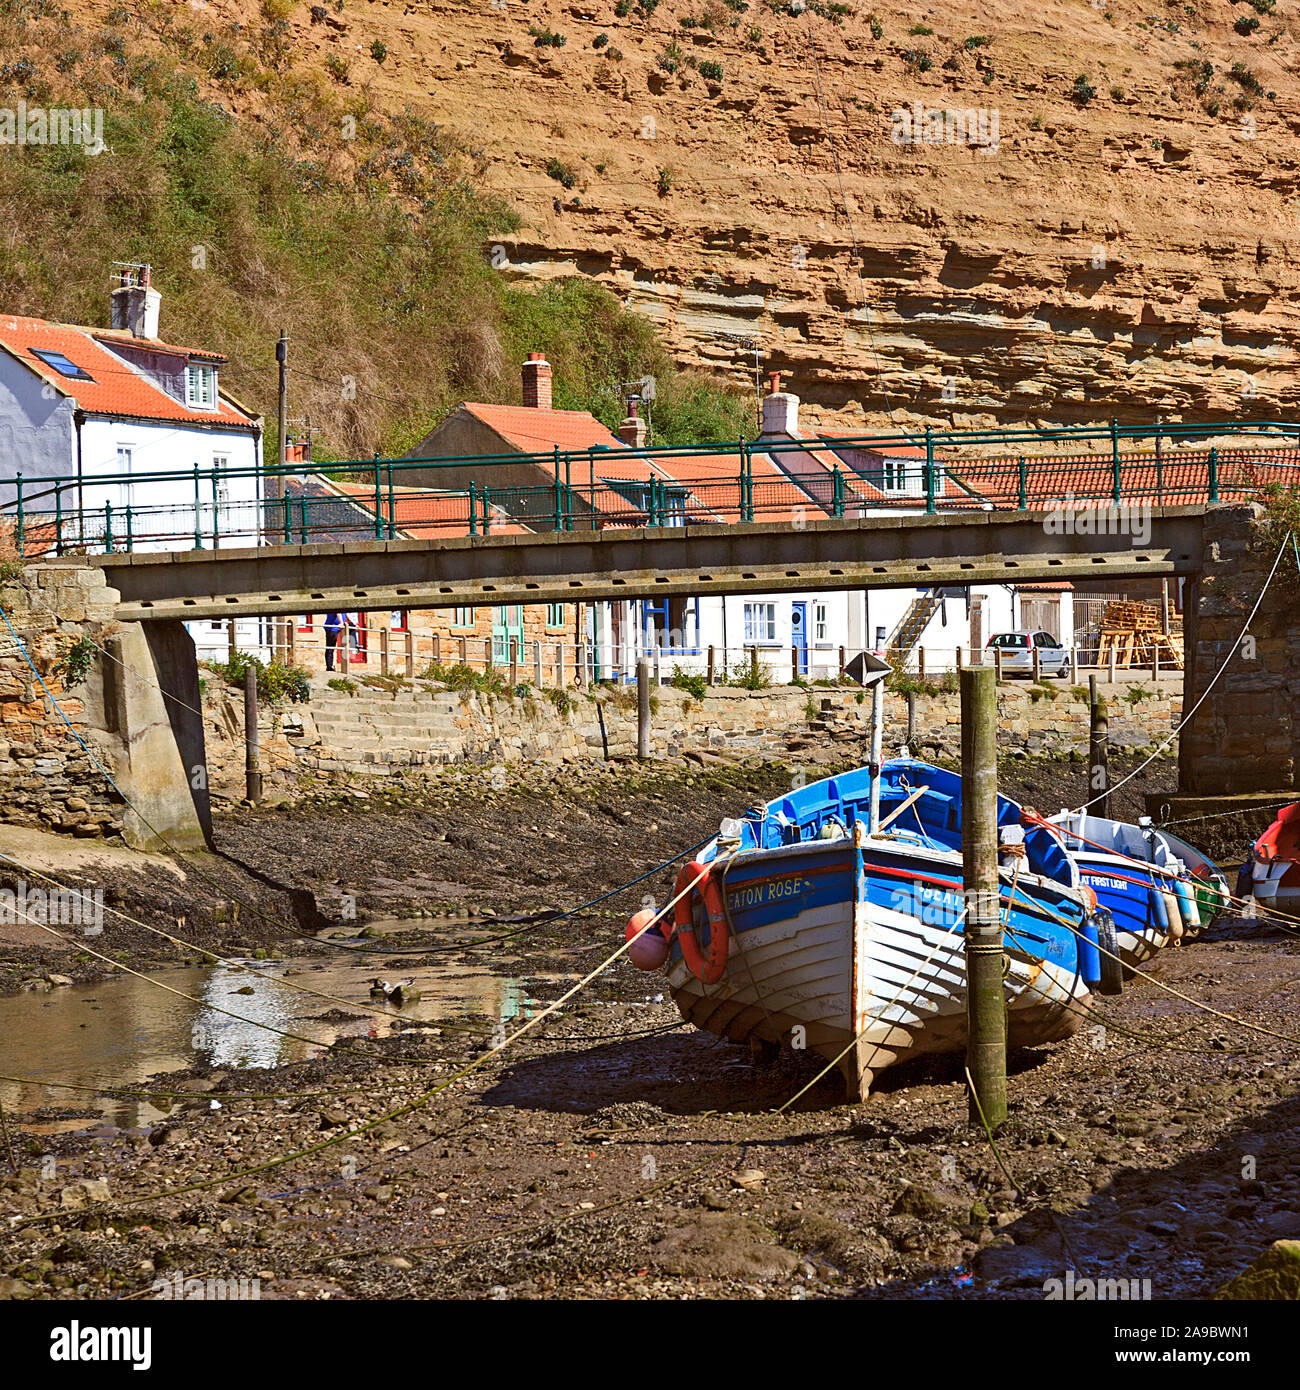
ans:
(649, 948)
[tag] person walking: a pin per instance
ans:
(333, 627)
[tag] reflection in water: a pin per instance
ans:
(126, 1030)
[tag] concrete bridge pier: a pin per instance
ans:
(159, 727)
(1243, 744)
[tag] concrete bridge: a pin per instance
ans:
(975, 547)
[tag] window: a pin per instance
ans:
(397, 620)
(305, 623)
(554, 615)
(61, 364)
(462, 617)
(200, 386)
(1009, 639)
(221, 488)
(125, 456)
(819, 622)
(760, 622)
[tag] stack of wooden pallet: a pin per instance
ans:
(1130, 631)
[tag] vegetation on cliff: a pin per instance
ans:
(365, 235)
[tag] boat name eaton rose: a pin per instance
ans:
(771, 891)
(933, 905)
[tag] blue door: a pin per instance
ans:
(799, 634)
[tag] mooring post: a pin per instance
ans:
(1098, 739)
(911, 718)
(252, 763)
(642, 707)
(986, 1015)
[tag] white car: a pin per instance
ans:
(1018, 650)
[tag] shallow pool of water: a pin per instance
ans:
(126, 1030)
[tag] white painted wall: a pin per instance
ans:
(163, 512)
(37, 433)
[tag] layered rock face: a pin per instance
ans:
(991, 211)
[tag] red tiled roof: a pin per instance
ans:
(1085, 480)
(422, 514)
(155, 344)
(116, 388)
(535, 431)
(872, 446)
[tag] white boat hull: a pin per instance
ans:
(882, 984)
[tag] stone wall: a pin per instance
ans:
(347, 738)
(46, 777)
(1244, 736)
(131, 710)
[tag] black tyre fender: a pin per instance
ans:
(1112, 971)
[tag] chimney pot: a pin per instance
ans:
(134, 303)
(634, 432)
(780, 411)
(537, 382)
(774, 380)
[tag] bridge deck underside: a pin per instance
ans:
(578, 567)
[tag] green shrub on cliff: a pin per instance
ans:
(368, 235)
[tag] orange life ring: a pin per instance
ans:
(708, 969)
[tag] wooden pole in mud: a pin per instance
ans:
(1098, 740)
(252, 762)
(986, 1014)
(642, 707)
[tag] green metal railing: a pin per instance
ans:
(389, 499)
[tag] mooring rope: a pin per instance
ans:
(409, 1107)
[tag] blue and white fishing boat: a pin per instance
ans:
(1142, 877)
(809, 927)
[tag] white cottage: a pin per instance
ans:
(88, 409)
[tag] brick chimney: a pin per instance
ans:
(135, 303)
(780, 409)
(537, 382)
(633, 430)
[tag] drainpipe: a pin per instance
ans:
(78, 419)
